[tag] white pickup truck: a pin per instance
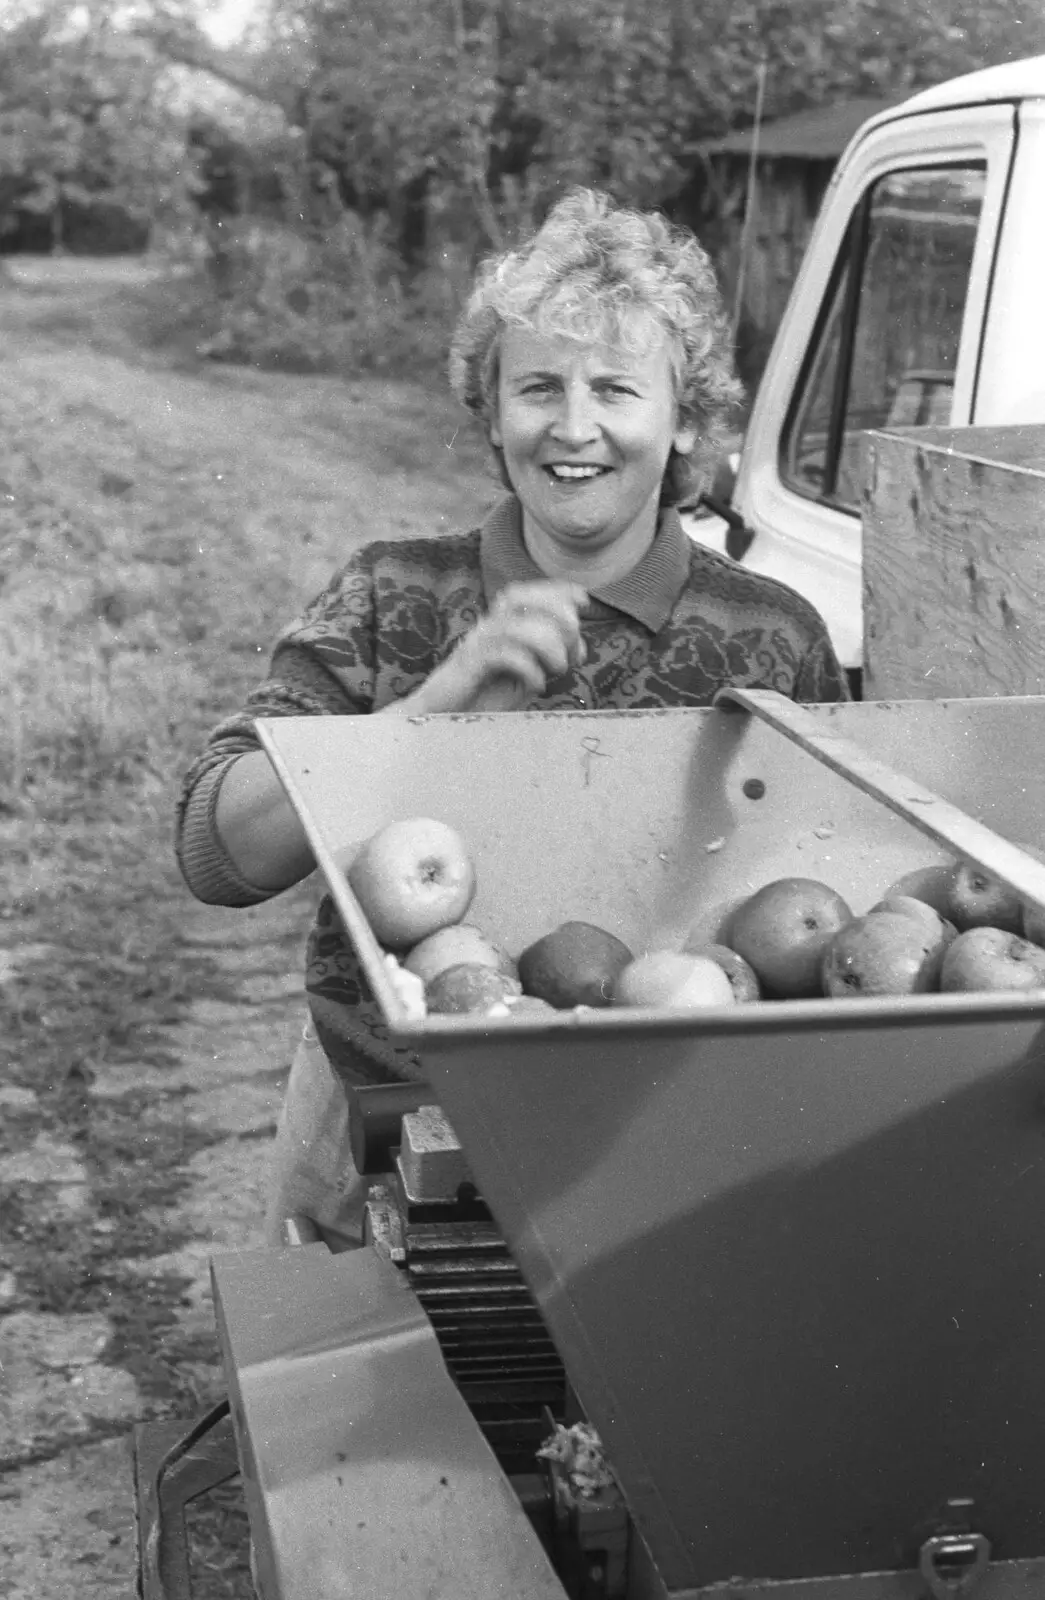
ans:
(921, 300)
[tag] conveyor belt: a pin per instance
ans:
(490, 1332)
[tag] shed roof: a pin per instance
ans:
(817, 135)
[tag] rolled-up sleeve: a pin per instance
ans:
(299, 685)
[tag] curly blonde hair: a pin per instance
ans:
(599, 272)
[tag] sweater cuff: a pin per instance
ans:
(206, 866)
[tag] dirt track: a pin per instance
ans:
(66, 1518)
(288, 473)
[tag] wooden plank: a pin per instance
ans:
(1013, 446)
(954, 563)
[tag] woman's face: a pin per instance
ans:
(586, 431)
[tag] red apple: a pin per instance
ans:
(886, 952)
(976, 900)
(450, 947)
(575, 965)
(673, 979)
(992, 959)
(931, 884)
(908, 905)
(469, 987)
(742, 977)
(1033, 926)
(782, 931)
(412, 878)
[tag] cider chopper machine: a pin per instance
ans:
(786, 1259)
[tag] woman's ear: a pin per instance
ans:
(493, 431)
(685, 439)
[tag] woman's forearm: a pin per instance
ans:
(257, 824)
(259, 827)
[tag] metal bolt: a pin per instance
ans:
(754, 788)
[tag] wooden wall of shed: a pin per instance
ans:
(787, 199)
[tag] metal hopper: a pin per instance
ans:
(791, 1254)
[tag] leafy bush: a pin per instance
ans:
(255, 293)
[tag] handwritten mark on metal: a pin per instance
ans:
(591, 747)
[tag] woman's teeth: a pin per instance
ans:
(577, 472)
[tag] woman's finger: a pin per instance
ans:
(556, 603)
(542, 636)
(506, 657)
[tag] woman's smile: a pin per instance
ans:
(564, 472)
(573, 480)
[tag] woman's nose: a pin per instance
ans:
(575, 423)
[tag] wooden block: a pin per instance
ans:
(954, 563)
(431, 1161)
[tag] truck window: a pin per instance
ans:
(886, 347)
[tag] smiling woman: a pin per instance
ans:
(585, 434)
(597, 360)
(597, 275)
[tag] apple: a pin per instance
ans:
(742, 977)
(575, 965)
(886, 952)
(931, 884)
(673, 979)
(782, 931)
(992, 959)
(526, 1005)
(976, 900)
(451, 947)
(412, 878)
(908, 905)
(1033, 924)
(471, 986)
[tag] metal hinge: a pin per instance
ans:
(739, 537)
(953, 1561)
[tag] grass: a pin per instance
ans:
(104, 686)
(138, 593)
(115, 657)
(136, 600)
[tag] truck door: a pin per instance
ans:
(884, 328)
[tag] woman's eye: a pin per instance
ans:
(619, 390)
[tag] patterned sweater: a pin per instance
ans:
(682, 625)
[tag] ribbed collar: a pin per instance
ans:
(648, 592)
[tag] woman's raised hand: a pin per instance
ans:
(530, 635)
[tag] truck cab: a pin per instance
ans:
(920, 301)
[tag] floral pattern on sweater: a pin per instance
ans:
(396, 610)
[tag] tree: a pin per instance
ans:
(466, 94)
(86, 115)
(483, 109)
